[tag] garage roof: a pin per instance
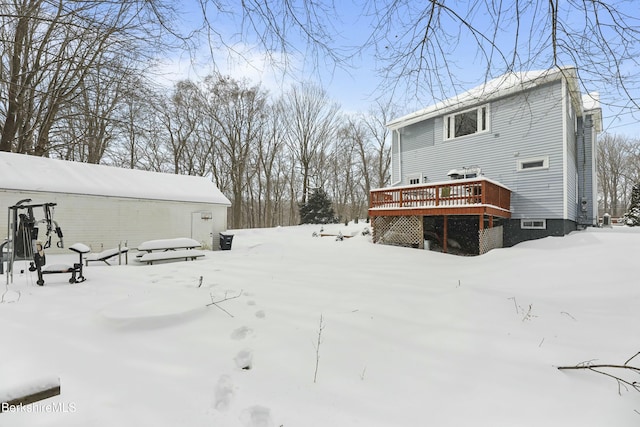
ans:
(30, 173)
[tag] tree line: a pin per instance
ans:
(265, 152)
(618, 160)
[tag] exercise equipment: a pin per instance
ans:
(23, 243)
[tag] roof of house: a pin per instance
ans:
(30, 173)
(507, 84)
(591, 105)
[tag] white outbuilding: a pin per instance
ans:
(103, 206)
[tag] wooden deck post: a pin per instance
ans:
(444, 234)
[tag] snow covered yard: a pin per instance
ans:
(408, 337)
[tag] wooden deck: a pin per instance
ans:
(476, 196)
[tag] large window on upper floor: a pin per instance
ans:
(467, 122)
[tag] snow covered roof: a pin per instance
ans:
(30, 173)
(499, 87)
(591, 104)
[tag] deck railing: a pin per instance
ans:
(478, 191)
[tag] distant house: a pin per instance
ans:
(102, 206)
(508, 161)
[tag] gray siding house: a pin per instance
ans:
(531, 134)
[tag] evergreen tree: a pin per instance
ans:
(632, 217)
(317, 209)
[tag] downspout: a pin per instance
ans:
(593, 220)
(565, 153)
(582, 215)
(594, 173)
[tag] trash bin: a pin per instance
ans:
(225, 241)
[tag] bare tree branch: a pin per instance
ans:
(602, 369)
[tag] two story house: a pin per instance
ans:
(508, 161)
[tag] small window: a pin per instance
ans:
(466, 122)
(415, 179)
(533, 164)
(533, 224)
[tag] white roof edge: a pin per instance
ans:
(505, 85)
(21, 172)
(591, 105)
(591, 101)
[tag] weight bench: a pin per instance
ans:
(187, 254)
(76, 270)
(106, 254)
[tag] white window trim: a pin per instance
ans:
(521, 162)
(422, 178)
(450, 117)
(530, 224)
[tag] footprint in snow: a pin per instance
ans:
(256, 416)
(251, 302)
(261, 314)
(224, 393)
(244, 359)
(241, 333)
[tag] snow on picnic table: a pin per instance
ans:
(408, 337)
(160, 244)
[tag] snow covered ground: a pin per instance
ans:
(408, 338)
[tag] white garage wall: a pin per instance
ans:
(103, 222)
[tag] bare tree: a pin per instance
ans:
(51, 48)
(137, 125)
(345, 175)
(238, 111)
(180, 120)
(613, 161)
(85, 129)
(270, 180)
(310, 122)
(376, 120)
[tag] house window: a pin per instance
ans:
(416, 179)
(533, 163)
(467, 122)
(533, 224)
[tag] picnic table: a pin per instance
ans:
(169, 249)
(105, 255)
